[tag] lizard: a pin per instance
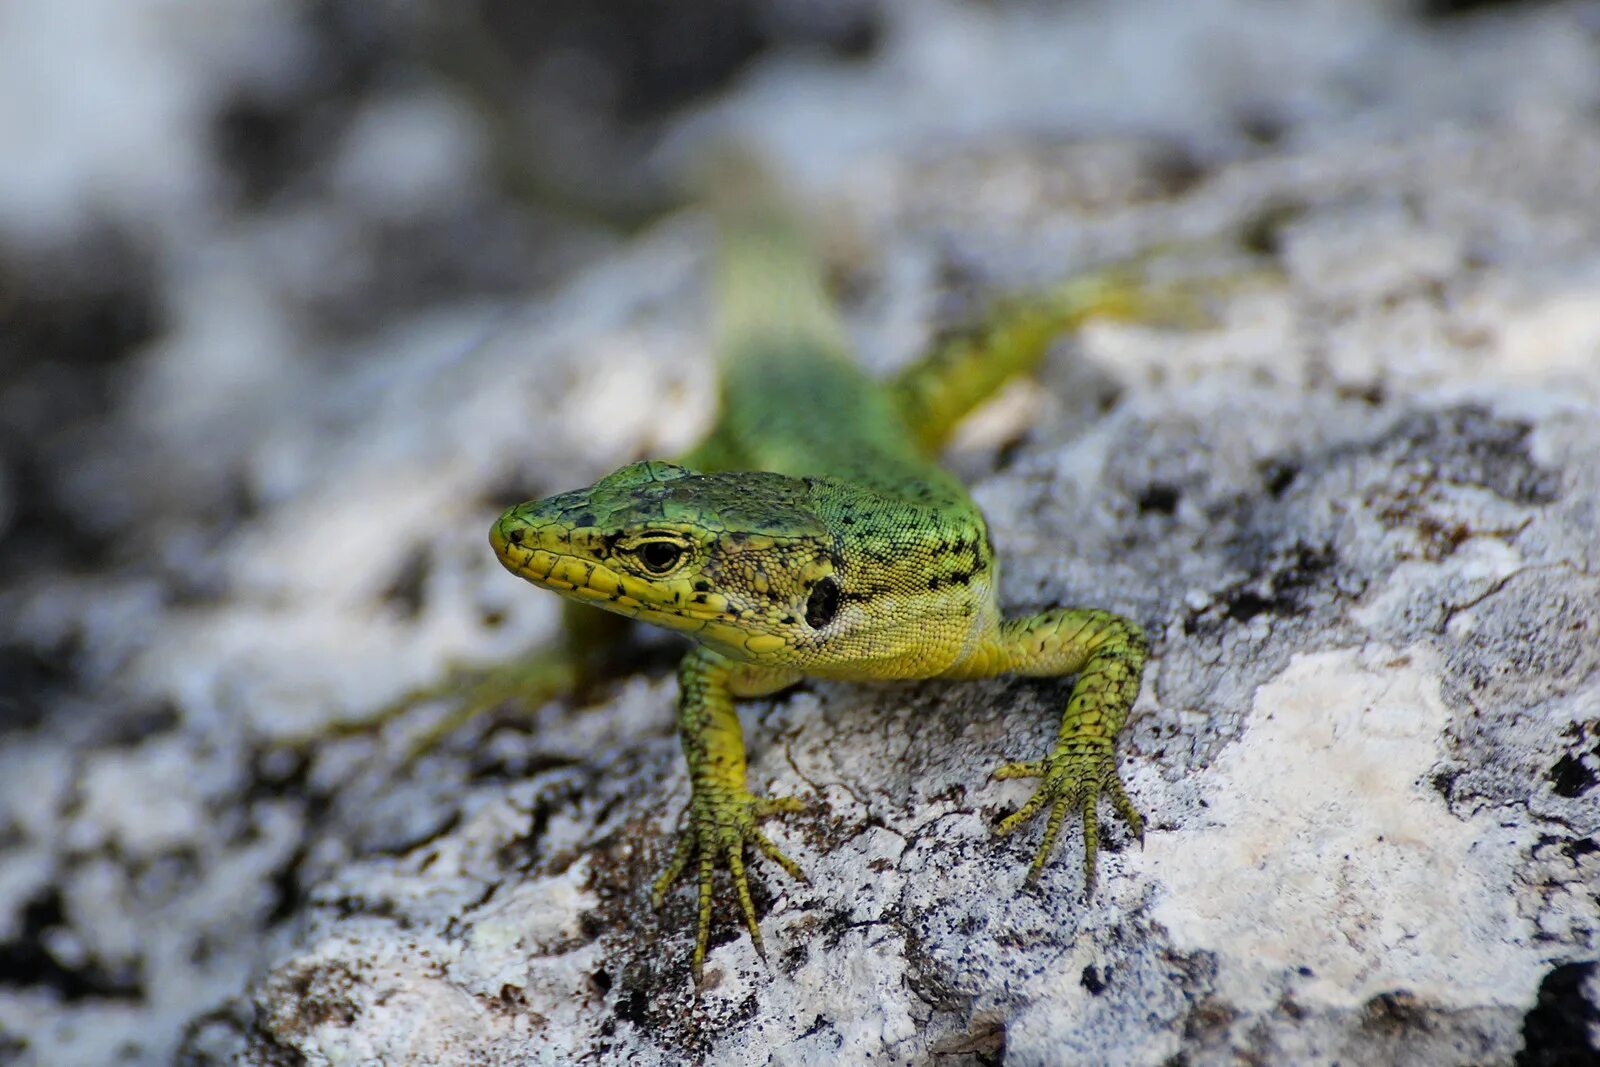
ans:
(813, 533)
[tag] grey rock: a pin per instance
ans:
(1367, 749)
(1357, 510)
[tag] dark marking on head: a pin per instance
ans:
(823, 604)
(864, 592)
(586, 519)
(963, 577)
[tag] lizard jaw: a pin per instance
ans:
(545, 556)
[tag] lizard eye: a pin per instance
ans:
(659, 557)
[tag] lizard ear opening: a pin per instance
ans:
(823, 603)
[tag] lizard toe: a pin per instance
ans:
(1075, 776)
(720, 825)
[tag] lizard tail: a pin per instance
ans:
(771, 296)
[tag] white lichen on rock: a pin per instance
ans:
(1327, 867)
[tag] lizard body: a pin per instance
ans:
(813, 534)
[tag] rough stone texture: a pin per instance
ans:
(1358, 510)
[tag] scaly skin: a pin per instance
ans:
(811, 534)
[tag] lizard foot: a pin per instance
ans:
(721, 823)
(1076, 775)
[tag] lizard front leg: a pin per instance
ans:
(1107, 652)
(722, 812)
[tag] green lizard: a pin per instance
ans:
(812, 534)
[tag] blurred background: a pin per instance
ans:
(229, 228)
(207, 208)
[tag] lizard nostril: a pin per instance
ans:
(515, 536)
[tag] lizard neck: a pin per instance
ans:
(917, 575)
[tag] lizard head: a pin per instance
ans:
(740, 560)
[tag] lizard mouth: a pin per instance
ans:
(562, 560)
(523, 551)
(563, 572)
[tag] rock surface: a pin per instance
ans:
(1358, 510)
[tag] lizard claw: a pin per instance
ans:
(721, 824)
(1076, 775)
